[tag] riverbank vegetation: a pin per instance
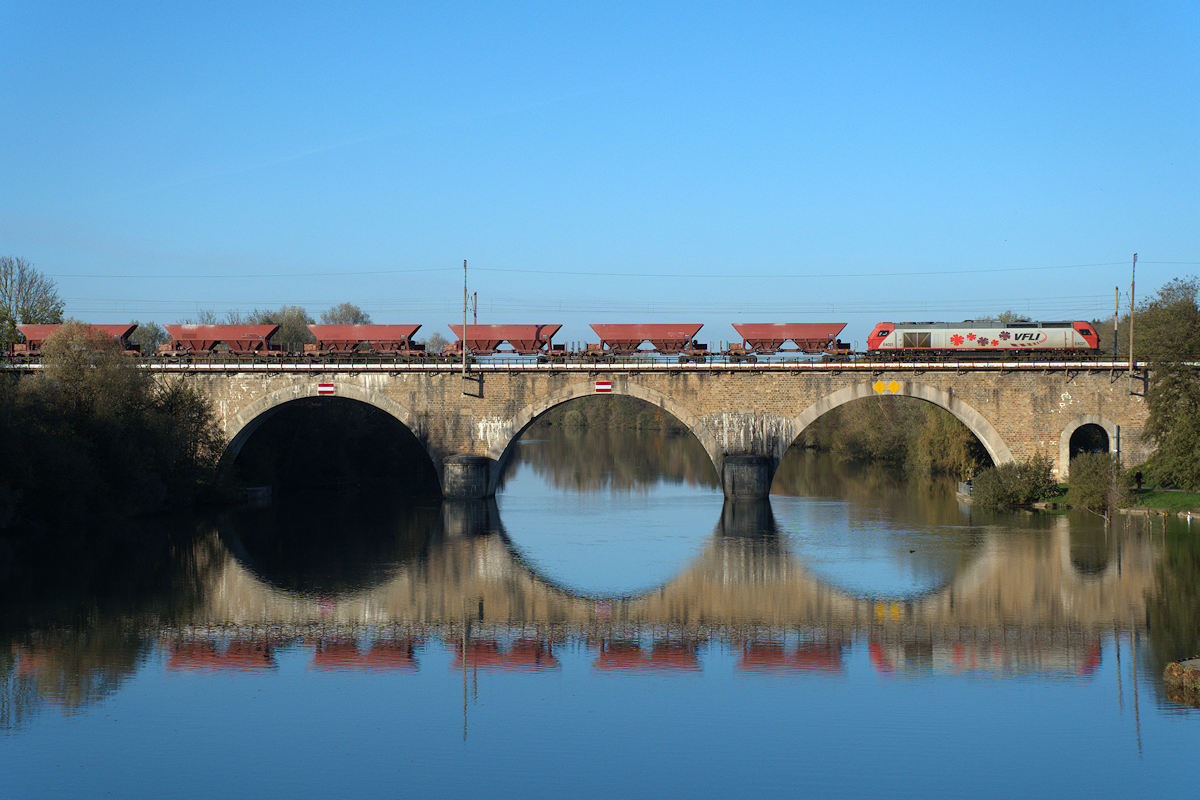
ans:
(1096, 484)
(91, 435)
(899, 431)
(1169, 500)
(615, 443)
(1170, 326)
(616, 412)
(1016, 484)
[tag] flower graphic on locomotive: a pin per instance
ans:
(956, 340)
(1004, 335)
(971, 336)
(995, 342)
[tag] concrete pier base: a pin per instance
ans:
(746, 477)
(466, 477)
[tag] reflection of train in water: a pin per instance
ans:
(887, 340)
(996, 657)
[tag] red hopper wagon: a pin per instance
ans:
(526, 340)
(346, 339)
(36, 335)
(810, 338)
(666, 338)
(236, 340)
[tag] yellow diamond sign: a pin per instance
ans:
(893, 387)
(878, 387)
(886, 388)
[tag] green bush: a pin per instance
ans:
(1096, 483)
(94, 435)
(1013, 484)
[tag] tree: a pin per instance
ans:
(293, 322)
(148, 336)
(92, 420)
(345, 314)
(1168, 335)
(26, 297)
(205, 316)
(1005, 318)
(435, 343)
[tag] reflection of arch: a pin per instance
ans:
(1064, 440)
(242, 425)
(975, 422)
(1075, 571)
(500, 448)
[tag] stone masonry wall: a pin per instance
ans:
(1015, 413)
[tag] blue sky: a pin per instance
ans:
(606, 162)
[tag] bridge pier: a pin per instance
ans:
(746, 477)
(466, 477)
(469, 519)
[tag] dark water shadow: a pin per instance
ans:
(333, 544)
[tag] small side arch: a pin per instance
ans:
(242, 425)
(500, 447)
(1064, 439)
(975, 422)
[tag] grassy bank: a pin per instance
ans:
(1164, 500)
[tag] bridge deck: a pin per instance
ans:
(632, 365)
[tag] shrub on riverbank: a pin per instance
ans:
(1014, 484)
(1096, 483)
(94, 435)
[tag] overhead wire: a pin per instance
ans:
(595, 273)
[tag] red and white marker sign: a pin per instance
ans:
(324, 388)
(604, 387)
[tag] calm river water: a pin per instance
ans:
(609, 628)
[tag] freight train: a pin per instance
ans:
(888, 341)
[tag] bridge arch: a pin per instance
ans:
(1064, 439)
(975, 422)
(500, 447)
(241, 426)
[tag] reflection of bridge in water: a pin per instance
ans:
(1034, 602)
(1017, 584)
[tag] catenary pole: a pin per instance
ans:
(464, 330)
(1116, 318)
(1132, 284)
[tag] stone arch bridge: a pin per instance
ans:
(745, 415)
